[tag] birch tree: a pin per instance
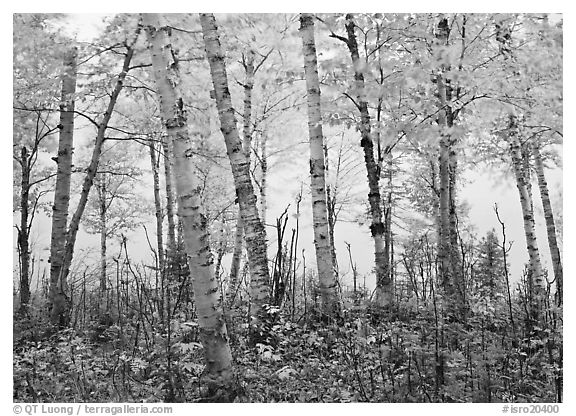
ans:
(57, 293)
(550, 224)
(536, 286)
(327, 281)
(384, 288)
(59, 298)
(255, 235)
(205, 284)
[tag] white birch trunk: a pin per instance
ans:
(330, 305)
(255, 235)
(213, 331)
(550, 225)
(536, 286)
(57, 298)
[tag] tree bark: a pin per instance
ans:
(171, 234)
(23, 231)
(448, 255)
(57, 301)
(383, 295)
(60, 305)
(263, 178)
(330, 305)
(248, 63)
(550, 225)
(157, 208)
(255, 235)
(536, 287)
(191, 214)
(101, 188)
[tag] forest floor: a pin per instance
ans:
(404, 358)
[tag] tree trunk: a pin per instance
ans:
(236, 262)
(213, 332)
(57, 300)
(448, 255)
(536, 287)
(330, 305)
(264, 174)
(248, 63)
(23, 232)
(157, 208)
(172, 244)
(255, 235)
(383, 295)
(101, 188)
(331, 208)
(60, 311)
(550, 225)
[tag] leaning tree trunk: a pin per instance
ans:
(248, 63)
(536, 287)
(205, 284)
(255, 235)
(330, 305)
(550, 225)
(57, 300)
(24, 231)
(60, 311)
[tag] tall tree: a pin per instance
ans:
(248, 64)
(536, 286)
(330, 305)
(383, 295)
(57, 294)
(191, 213)
(60, 302)
(255, 235)
(448, 254)
(550, 225)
